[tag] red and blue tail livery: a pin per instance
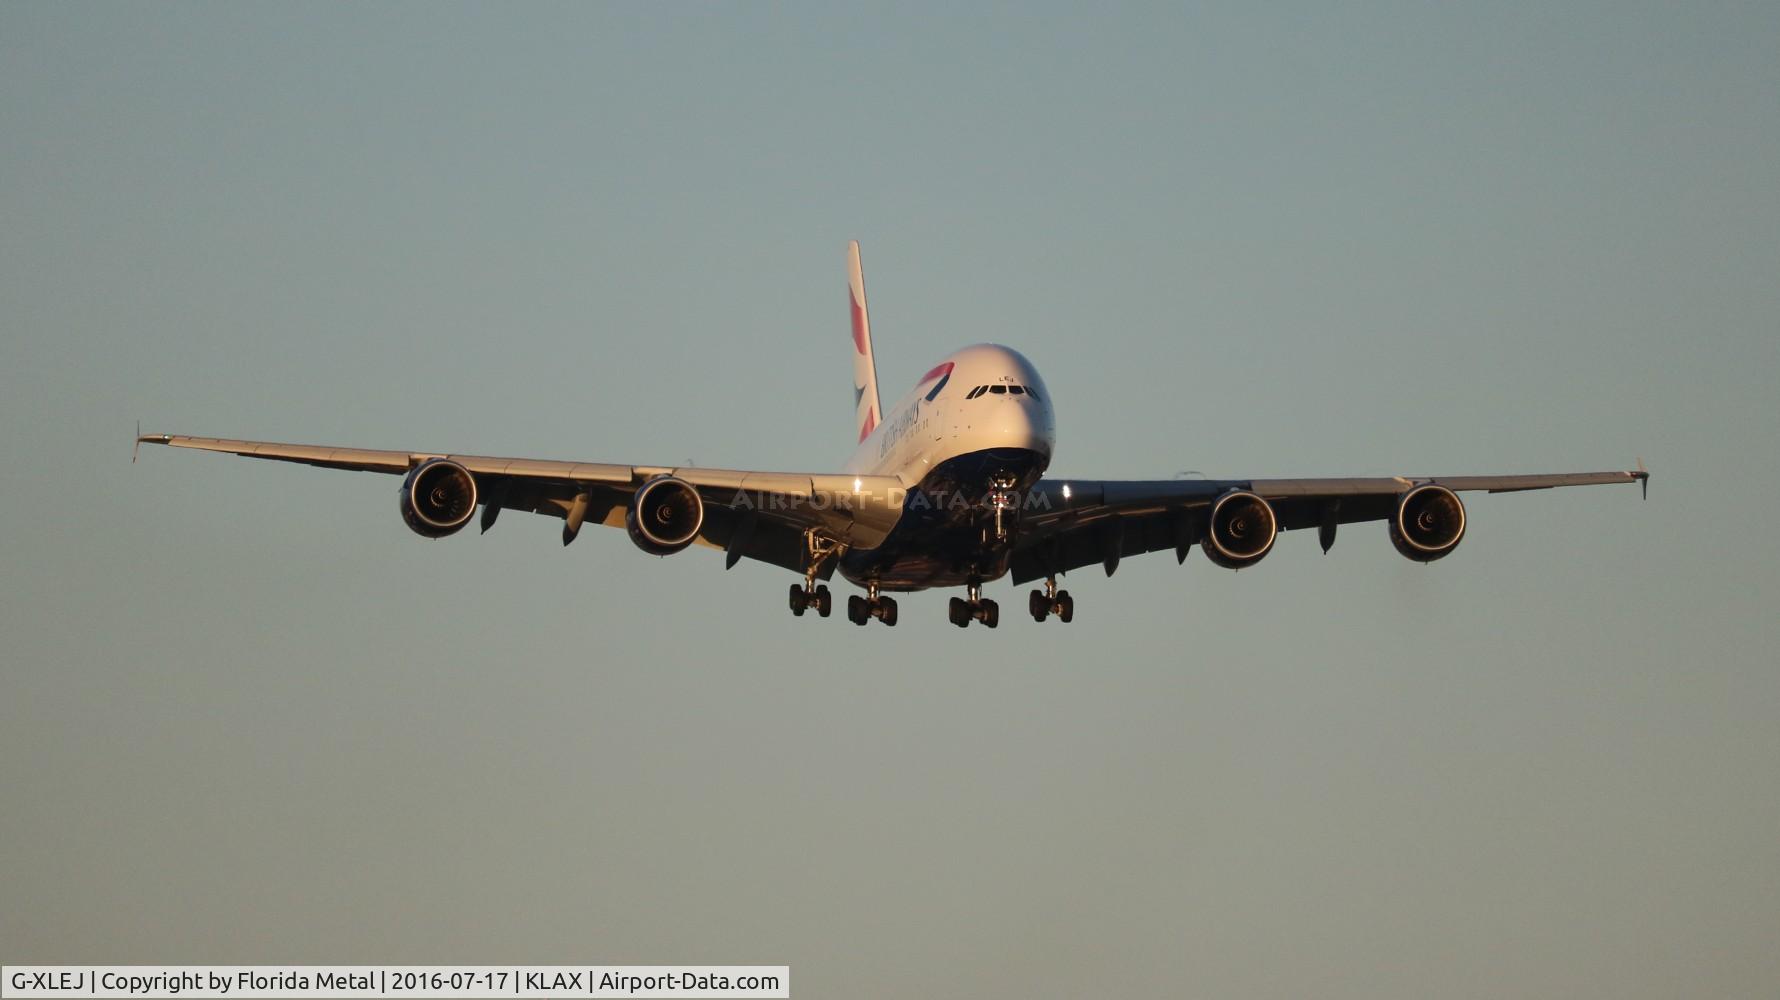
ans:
(866, 414)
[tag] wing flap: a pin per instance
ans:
(531, 468)
(1515, 484)
(308, 454)
(1396, 484)
(372, 460)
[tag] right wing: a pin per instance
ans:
(755, 515)
(1070, 523)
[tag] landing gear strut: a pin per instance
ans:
(863, 609)
(962, 611)
(810, 594)
(1051, 601)
(1001, 500)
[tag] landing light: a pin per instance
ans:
(1066, 491)
(856, 484)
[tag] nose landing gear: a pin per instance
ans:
(1051, 601)
(1001, 500)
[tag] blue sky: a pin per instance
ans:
(245, 716)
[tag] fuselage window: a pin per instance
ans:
(998, 389)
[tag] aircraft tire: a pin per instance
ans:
(959, 612)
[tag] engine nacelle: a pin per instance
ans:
(664, 515)
(1240, 530)
(438, 496)
(1429, 523)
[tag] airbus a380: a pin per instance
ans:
(948, 488)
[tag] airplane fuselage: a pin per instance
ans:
(977, 430)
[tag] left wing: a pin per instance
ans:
(769, 516)
(1068, 523)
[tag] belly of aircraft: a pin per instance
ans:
(945, 537)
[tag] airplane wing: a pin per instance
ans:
(1067, 524)
(755, 515)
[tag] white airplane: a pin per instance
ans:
(948, 490)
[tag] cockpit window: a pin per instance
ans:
(1002, 390)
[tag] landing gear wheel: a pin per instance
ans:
(887, 611)
(959, 611)
(1038, 606)
(824, 601)
(799, 600)
(991, 612)
(1065, 607)
(856, 612)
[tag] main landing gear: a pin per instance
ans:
(805, 596)
(863, 609)
(962, 611)
(1051, 601)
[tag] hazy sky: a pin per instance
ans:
(246, 716)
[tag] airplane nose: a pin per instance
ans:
(1024, 424)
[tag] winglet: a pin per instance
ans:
(1643, 476)
(150, 438)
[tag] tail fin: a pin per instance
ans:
(866, 413)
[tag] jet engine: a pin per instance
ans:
(1240, 530)
(1429, 523)
(438, 496)
(664, 515)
